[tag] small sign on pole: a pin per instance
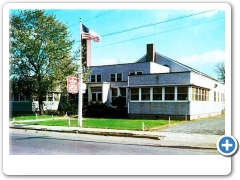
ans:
(72, 85)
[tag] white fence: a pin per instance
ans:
(44, 119)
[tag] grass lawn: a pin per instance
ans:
(122, 124)
(125, 124)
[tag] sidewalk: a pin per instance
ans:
(167, 139)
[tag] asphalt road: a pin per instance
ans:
(213, 126)
(32, 142)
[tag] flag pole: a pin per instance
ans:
(80, 80)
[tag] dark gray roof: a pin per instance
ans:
(143, 59)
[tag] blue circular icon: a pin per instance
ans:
(227, 145)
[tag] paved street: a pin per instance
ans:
(32, 142)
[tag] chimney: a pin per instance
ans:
(150, 53)
(86, 52)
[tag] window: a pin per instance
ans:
(200, 94)
(222, 97)
(93, 78)
(145, 94)
(119, 77)
(99, 96)
(203, 95)
(182, 93)
(99, 78)
(50, 97)
(35, 98)
(157, 93)
(207, 95)
(134, 94)
(123, 94)
(215, 96)
(196, 94)
(116, 77)
(114, 93)
(136, 73)
(96, 93)
(96, 78)
(56, 96)
(193, 93)
(96, 96)
(169, 93)
(112, 77)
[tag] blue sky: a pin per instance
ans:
(197, 41)
(192, 35)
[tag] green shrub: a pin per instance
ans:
(100, 110)
(65, 106)
(119, 102)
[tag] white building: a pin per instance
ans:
(157, 87)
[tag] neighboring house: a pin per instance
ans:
(157, 87)
(19, 103)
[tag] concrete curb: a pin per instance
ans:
(87, 131)
(165, 139)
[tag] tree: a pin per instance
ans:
(220, 70)
(41, 54)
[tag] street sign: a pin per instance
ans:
(72, 85)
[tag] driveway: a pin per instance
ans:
(212, 126)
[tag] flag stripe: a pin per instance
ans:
(89, 34)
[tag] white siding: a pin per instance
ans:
(157, 68)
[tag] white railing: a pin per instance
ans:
(43, 119)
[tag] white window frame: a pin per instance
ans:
(149, 93)
(135, 73)
(182, 93)
(174, 95)
(112, 93)
(154, 100)
(115, 78)
(139, 95)
(163, 95)
(139, 72)
(95, 77)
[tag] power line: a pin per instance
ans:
(142, 26)
(52, 11)
(173, 19)
(160, 22)
(159, 33)
(99, 15)
(93, 17)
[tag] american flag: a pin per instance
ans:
(89, 34)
